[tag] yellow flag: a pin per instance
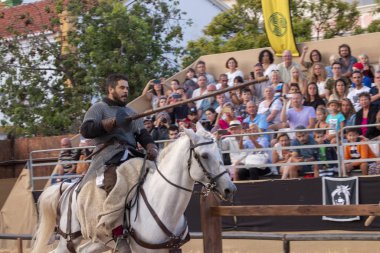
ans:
(279, 26)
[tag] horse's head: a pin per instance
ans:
(207, 165)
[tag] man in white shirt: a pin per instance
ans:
(353, 95)
(285, 66)
(202, 90)
(201, 70)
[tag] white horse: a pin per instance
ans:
(194, 157)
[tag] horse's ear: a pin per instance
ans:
(191, 134)
(200, 128)
(202, 131)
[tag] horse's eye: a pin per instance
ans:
(204, 156)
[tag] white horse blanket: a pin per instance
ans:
(99, 214)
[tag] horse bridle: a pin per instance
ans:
(175, 241)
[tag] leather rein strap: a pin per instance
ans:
(174, 242)
(68, 235)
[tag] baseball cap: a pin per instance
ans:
(192, 110)
(358, 65)
(147, 118)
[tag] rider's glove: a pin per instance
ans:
(151, 151)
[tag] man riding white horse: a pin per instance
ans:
(115, 136)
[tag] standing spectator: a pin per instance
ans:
(337, 74)
(258, 88)
(202, 90)
(375, 90)
(353, 95)
(312, 96)
(233, 71)
(285, 66)
(302, 155)
(367, 115)
(318, 75)
(190, 83)
(361, 151)
(266, 59)
(201, 70)
(346, 59)
(179, 112)
(348, 111)
(368, 70)
(298, 115)
(153, 91)
(315, 56)
(340, 90)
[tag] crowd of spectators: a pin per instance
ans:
(309, 95)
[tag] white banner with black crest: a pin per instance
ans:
(340, 191)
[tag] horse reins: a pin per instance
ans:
(175, 241)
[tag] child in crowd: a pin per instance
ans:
(325, 154)
(361, 151)
(281, 155)
(321, 115)
(335, 119)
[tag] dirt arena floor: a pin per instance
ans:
(261, 246)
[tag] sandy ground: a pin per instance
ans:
(256, 246)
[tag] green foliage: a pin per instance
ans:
(13, 2)
(47, 86)
(374, 26)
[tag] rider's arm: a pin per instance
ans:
(91, 129)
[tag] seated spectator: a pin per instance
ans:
(207, 103)
(375, 94)
(174, 85)
(337, 74)
(233, 145)
(225, 116)
(210, 123)
(192, 118)
(223, 82)
(202, 90)
(302, 155)
(270, 107)
(235, 95)
(279, 87)
(148, 123)
(66, 155)
(178, 112)
(367, 115)
(240, 109)
(312, 97)
(333, 58)
(340, 90)
(368, 70)
(297, 77)
(346, 59)
(173, 131)
(258, 88)
(255, 142)
(153, 91)
(335, 120)
(281, 155)
(315, 56)
(365, 79)
(162, 101)
(82, 168)
(221, 99)
(190, 83)
(298, 115)
(266, 59)
(318, 75)
(321, 116)
(348, 111)
(233, 71)
(253, 118)
(160, 130)
(201, 70)
(353, 95)
(325, 154)
(361, 151)
(285, 66)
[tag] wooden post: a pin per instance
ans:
(19, 245)
(211, 225)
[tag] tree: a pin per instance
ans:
(241, 28)
(13, 2)
(333, 17)
(48, 86)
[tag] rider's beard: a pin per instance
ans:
(122, 100)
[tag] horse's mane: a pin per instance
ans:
(169, 147)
